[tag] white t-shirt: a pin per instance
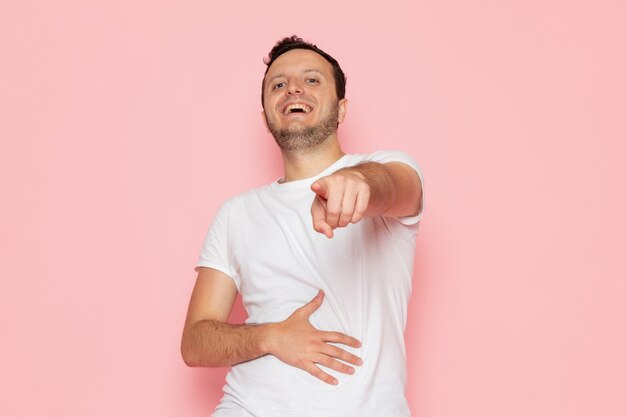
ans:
(264, 240)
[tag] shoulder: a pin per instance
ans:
(245, 198)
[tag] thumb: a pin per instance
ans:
(310, 307)
(320, 187)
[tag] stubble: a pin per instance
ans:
(302, 138)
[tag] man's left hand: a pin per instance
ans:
(341, 198)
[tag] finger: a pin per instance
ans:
(362, 202)
(331, 363)
(347, 206)
(335, 352)
(310, 307)
(318, 373)
(320, 187)
(337, 337)
(333, 205)
(318, 215)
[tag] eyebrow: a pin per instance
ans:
(304, 72)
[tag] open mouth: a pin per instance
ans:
(296, 109)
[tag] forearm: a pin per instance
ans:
(381, 186)
(214, 343)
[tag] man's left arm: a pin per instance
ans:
(370, 189)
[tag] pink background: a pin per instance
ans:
(125, 124)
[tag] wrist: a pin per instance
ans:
(266, 338)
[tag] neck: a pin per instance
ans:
(307, 163)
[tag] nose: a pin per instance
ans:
(294, 88)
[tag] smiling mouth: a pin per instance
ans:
(296, 108)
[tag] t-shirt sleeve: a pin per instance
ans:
(384, 157)
(215, 251)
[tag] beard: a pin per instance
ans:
(302, 138)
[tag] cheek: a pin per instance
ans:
(271, 104)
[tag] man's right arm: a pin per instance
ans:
(209, 341)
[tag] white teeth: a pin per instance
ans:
(302, 107)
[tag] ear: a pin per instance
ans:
(342, 109)
(265, 120)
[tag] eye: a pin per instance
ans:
(312, 81)
(278, 85)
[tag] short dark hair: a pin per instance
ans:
(294, 42)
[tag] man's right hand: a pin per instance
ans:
(297, 343)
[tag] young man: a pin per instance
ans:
(323, 259)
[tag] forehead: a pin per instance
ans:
(298, 60)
